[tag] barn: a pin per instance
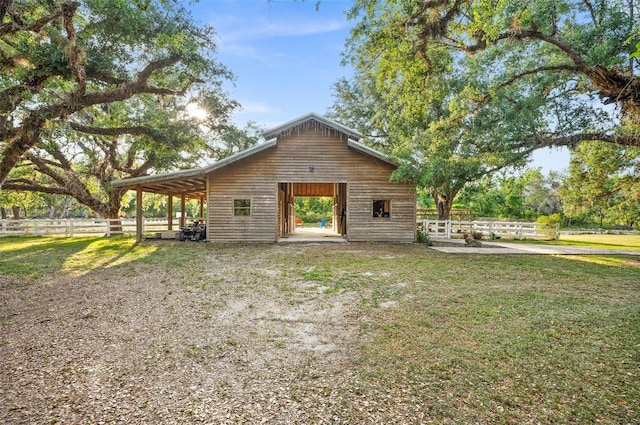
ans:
(250, 195)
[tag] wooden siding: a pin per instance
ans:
(308, 157)
(362, 226)
(313, 189)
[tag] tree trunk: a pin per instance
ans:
(64, 210)
(16, 212)
(3, 213)
(443, 204)
(111, 213)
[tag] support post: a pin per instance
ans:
(139, 214)
(202, 209)
(170, 212)
(183, 207)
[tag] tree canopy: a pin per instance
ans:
(461, 89)
(98, 90)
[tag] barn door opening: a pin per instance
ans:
(296, 199)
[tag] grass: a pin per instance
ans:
(443, 338)
(602, 241)
(527, 343)
(37, 257)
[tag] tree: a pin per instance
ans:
(312, 209)
(581, 49)
(603, 182)
(545, 196)
(99, 91)
(481, 84)
(235, 140)
(61, 61)
(414, 107)
(524, 196)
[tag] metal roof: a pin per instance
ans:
(274, 132)
(193, 182)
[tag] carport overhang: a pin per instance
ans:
(191, 184)
(186, 184)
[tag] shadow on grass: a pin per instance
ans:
(631, 242)
(34, 257)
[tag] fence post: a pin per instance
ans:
(70, 228)
(108, 221)
(447, 228)
(520, 226)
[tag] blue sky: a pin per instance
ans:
(286, 55)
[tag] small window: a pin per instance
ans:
(242, 207)
(381, 208)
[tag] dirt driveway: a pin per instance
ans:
(230, 336)
(106, 331)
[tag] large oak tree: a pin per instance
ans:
(96, 90)
(463, 88)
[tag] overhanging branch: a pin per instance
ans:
(29, 186)
(115, 131)
(574, 139)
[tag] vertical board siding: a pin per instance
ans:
(310, 156)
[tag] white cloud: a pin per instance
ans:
(253, 107)
(280, 28)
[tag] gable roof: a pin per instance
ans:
(301, 122)
(192, 182)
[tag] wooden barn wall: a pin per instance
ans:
(362, 226)
(311, 156)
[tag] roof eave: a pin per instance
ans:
(194, 172)
(371, 152)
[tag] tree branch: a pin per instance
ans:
(574, 139)
(11, 97)
(116, 131)
(520, 34)
(75, 52)
(516, 77)
(29, 186)
(16, 23)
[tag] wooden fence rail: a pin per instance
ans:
(435, 228)
(490, 229)
(77, 227)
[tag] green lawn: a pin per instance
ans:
(441, 338)
(603, 241)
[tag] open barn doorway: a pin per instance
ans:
(330, 219)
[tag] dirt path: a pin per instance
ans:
(229, 338)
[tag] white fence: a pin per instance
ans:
(75, 227)
(435, 228)
(490, 229)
